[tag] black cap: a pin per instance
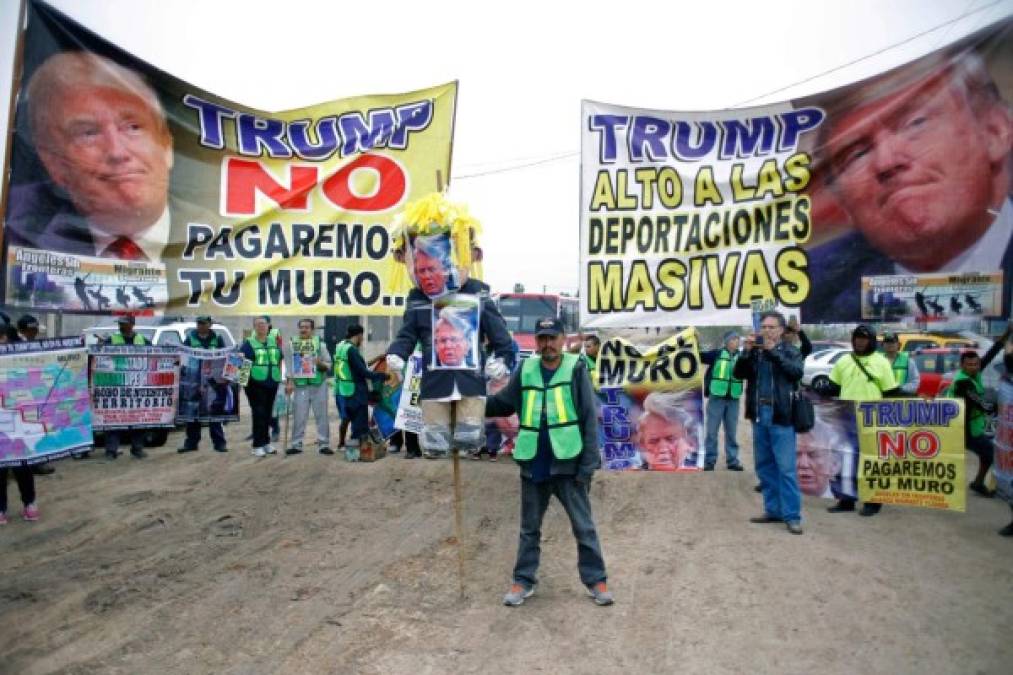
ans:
(27, 321)
(204, 319)
(861, 330)
(353, 330)
(125, 318)
(550, 326)
(890, 336)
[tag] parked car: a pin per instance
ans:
(819, 364)
(823, 345)
(940, 367)
(160, 334)
(911, 341)
(163, 334)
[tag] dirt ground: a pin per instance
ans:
(208, 563)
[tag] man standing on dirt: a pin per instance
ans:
(204, 337)
(772, 370)
(557, 450)
(352, 376)
(308, 391)
(862, 375)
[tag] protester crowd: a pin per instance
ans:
(556, 446)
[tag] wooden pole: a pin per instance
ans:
(458, 516)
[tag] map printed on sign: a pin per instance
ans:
(44, 406)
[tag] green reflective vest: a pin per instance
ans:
(266, 359)
(193, 340)
(900, 368)
(318, 375)
(344, 385)
(722, 380)
(555, 400)
(976, 419)
(117, 339)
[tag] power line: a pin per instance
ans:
(558, 157)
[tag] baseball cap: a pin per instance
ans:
(204, 319)
(549, 326)
(125, 318)
(889, 336)
(27, 321)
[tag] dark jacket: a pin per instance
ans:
(361, 374)
(418, 328)
(972, 401)
(786, 362)
(212, 341)
(508, 401)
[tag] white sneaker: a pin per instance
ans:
(259, 452)
(269, 449)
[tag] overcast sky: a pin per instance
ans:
(523, 69)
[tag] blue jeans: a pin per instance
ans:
(720, 410)
(577, 503)
(774, 453)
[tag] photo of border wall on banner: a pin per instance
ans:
(861, 196)
(133, 191)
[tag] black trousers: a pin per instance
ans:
(26, 485)
(261, 399)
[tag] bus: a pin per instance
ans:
(522, 310)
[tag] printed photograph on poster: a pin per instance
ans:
(827, 456)
(409, 413)
(455, 332)
(45, 409)
(204, 393)
(233, 366)
(937, 300)
(78, 283)
(431, 264)
(304, 358)
(134, 386)
(167, 199)
(651, 405)
(1002, 466)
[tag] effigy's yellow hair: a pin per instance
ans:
(435, 214)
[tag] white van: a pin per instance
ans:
(160, 334)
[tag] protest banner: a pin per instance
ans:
(686, 218)
(134, 387)
(45, 412)
(1002, 468)
(214, 206)
(204, 393)
(409, 413)
(912, 452)
(651, 405)
(827, 455)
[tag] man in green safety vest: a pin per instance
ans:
(905, 372)
(350, 378)
(307, 362)
(126, 336)
(592, 345)
(204, 337)
(264, 350)
(967, 385)
(557, 450)
(723, 392)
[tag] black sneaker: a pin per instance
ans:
(186, 448)
(44, 469)
(736, 467)
(293, 451)
(221, 448)
(326, 451)
(870, 509)
(138, 453)
(111, 455)
(708, 467)
(981, 490)
(1006, 531)
(842, 507)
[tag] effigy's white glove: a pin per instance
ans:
(495, 368)
(395, 364)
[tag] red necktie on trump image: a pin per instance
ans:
(124, 248)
